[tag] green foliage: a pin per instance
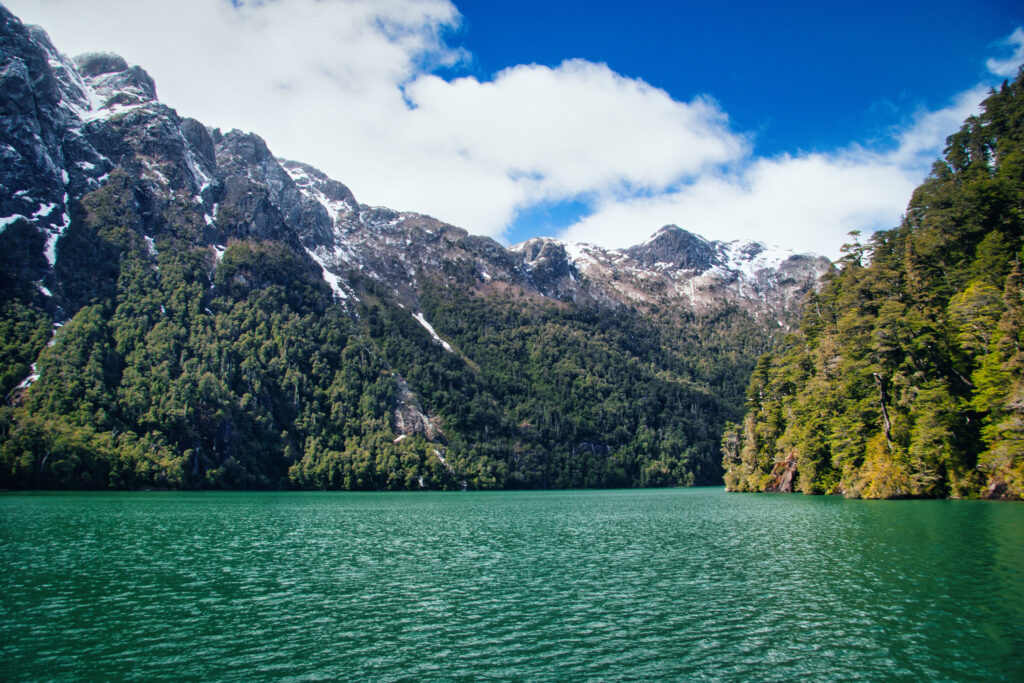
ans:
(550, 394)
(905, 376)
(25, 311)
(181, 370)
(176, 371)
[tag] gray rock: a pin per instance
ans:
(676, 247)
(98, 63)
(199, 139)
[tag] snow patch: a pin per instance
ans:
(4, 222)
(430, 328)
(335, 282)
(199, 177)
(25, 383)
(579, 253)
(154, 172)
(330, 278)
(749, 258)
(51, 240)
(306, 185)
(99, 113)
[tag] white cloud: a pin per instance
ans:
(924, 140)
(536, 133)
(575, 128)
(807, 202)
(1007, 68)
(346, 85)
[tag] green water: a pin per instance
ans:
(612, 585)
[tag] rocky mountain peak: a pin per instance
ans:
(547, 265)
(677, 248)
(92, 64)
(240, 149)
(115, 82)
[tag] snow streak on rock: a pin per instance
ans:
(430, 328)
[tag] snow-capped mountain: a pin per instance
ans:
(678, 268)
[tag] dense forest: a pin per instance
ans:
(905, 376)
(177, 366)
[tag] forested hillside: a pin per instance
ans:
(184, 368)
(905, 377)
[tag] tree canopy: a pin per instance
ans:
(905, 376)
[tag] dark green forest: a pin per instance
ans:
(176, 367)
(905, 376)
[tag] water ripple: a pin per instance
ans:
(612, 585)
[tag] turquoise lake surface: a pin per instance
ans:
(677, 584)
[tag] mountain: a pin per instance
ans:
(181, 308)
(677, 268)
(906, 375)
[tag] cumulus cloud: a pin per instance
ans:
(574, 128)
(349, 86)
(1007, 67)
(550, 133)
(807, 202)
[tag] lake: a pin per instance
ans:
(613, 585)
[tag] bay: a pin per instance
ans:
(680, 584)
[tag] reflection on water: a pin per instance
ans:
(607, 584)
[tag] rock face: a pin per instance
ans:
(678, 249)
(782, 476)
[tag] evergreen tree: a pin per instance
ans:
(905, 376)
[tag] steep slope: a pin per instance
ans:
(182, 309)
(905, 377)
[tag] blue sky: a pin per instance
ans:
(787, 122)
(796, 76)
(800, 75)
